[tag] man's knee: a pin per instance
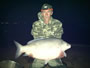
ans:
(54, 63)
(37, 64)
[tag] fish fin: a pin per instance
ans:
(60, 61)
(34, 40)
(65, 54)
(25, 55)
(18, 51)
(46, 61)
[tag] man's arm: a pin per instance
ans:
(36, 30)
(58, 29)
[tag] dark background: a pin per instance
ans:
(17, 17)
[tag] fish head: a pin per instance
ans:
(65, 46)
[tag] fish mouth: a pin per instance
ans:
(69, 46)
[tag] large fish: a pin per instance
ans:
(44, 49)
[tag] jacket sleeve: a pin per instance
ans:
(58, 29)
(36, 30)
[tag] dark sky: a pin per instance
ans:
(17, 17)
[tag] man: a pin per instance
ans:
(46, 27)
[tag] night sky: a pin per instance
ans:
(17, 17)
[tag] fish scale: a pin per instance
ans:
(44, 49)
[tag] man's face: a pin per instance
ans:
(47, 14)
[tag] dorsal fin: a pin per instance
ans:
(34, 40)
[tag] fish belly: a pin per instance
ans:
(47, 53)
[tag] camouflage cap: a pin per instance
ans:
(46, 6)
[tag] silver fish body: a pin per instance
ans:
(44, 49)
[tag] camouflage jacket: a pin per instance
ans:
(50, 30)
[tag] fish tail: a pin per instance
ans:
(18, 51)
